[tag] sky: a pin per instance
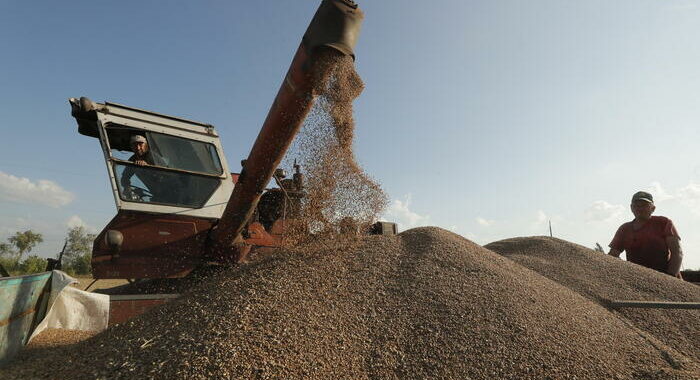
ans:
(488, 118)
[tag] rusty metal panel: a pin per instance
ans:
(154, 246)
(124, 307)
(258, 236)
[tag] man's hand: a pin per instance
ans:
(674, 264)
(128, 193)
(140, 162)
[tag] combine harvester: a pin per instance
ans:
(185, 209)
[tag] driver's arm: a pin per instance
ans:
(125, 180)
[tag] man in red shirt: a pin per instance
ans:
(651, 241)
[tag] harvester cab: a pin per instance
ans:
(157, 163)
(171, 183)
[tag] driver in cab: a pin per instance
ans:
(143, 156)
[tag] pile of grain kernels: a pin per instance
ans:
(601, 278)
(52, 337)
(427, 303)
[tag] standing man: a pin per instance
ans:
(651, 241)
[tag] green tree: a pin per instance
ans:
(8, 259)
(24, 242)
(32, 264)
(81, 264)
(78, 253)
(6, 250)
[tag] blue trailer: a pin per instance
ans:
(23, 304)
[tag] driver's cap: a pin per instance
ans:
(642, 196)
(137, 138)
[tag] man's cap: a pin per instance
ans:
(137, 138)
(642, 196)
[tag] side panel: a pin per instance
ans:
(124, 307)
(23, 301)
(258, 236)
(154, 246)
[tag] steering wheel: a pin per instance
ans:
(139, 193)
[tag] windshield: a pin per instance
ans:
(145, 184)
(142, 167)
(163, 150)
(184, 154)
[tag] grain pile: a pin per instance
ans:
(164, 285)
(338, 191)
(52, 337)
(601, 277)
(424, 304)
(48, 340)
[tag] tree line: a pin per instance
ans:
(76, 254)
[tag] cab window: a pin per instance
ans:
(166, 150)
(148, 184)
(163, 169)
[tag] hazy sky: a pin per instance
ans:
(488, 118)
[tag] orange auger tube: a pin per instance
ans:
(335, 25)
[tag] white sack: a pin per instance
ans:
(74, 309)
